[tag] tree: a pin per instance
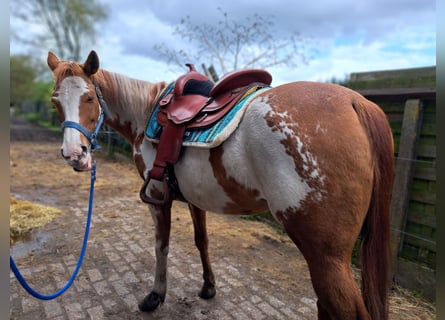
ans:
(60, 24)
(232, 45)
(22, 77)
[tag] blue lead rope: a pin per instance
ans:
(23, 282)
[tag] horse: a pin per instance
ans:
(317, 156)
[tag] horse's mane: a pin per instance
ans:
(127, 92)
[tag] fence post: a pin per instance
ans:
(210, 72)
(411, 125)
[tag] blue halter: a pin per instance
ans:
(91, 136)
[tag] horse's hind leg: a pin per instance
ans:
(327, 249)
(338, 294)
(162, 220)
(208, 290)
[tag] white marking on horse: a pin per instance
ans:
(196, 181)
(276, 150)
(319, 129)
(69, 92)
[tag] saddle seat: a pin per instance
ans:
(196, 102)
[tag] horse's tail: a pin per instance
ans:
(375, 246)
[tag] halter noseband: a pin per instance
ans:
(104, 113)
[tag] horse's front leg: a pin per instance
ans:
(162, 220)
(208, 290)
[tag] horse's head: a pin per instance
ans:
(78, 107)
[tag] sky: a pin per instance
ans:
(346, 36)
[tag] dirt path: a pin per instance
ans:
(260, 273)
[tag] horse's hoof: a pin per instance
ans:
(207, 292)
(150, 302)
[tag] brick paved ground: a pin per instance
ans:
(117, 272)
(260, 274)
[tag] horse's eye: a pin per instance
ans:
(90, 99)
(53, 102)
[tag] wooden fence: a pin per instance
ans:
(408, 97)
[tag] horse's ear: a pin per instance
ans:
(91, 65)
(52, 61)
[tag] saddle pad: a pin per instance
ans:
(208, 137)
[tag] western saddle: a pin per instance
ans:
(194, 102)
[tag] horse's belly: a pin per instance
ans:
(204, 181)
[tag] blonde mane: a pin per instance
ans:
(121, 91)
(125, 92)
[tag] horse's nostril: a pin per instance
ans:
(64, 156)
(77, 155)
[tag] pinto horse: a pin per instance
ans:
(318, 156)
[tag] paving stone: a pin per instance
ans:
(270, 310)
(94, 275)
(96, 313)
(74, 311)
(102, 288)
(29, 304)
(52, 308)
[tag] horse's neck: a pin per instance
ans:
(130, 102)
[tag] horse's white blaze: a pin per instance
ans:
(68, 94)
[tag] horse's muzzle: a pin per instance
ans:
(79, 161)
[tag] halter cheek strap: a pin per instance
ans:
(91, 136)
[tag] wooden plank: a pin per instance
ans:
(422, 218)
(396, 93)
(412, 120)
(428, 174)
(427, 151)
(412, 73)
(418, 278)
(421, 242)
(426, 198)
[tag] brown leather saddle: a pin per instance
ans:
(195, 102)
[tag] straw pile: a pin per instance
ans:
(26, 215)
(404, 305)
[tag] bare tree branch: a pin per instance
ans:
(232, 45)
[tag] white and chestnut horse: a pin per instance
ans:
(318, 156)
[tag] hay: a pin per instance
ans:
(26, 215)
(404, 305)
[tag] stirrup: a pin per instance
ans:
(153, 201)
